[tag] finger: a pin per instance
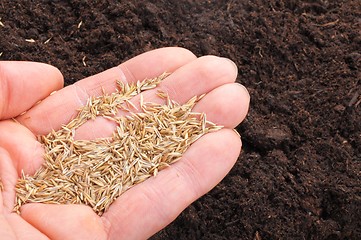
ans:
(65, 221)
(22, 84)
(22, 229)
(226, 105)
(29, 156)
(61, 107)
(194, 79)
(151, 205)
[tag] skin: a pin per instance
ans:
(148, 207)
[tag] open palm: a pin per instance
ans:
(146, 208)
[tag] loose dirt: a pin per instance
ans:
(299, 174)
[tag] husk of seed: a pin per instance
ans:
(96, 172)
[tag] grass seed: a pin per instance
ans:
(96, 172)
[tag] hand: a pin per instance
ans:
(146, 208)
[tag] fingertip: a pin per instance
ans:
(53, 73)
(235, 67)
(226, 105)
(245, 91)
(231, 141)
(198, 77)
(224, 67)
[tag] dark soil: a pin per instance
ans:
(299, 176)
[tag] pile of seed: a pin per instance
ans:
(96, 172)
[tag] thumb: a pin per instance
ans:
(23, 84)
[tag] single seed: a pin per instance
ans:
(47, 41)
(83, 61)
(30, 40)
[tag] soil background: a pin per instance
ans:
(299, 175)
